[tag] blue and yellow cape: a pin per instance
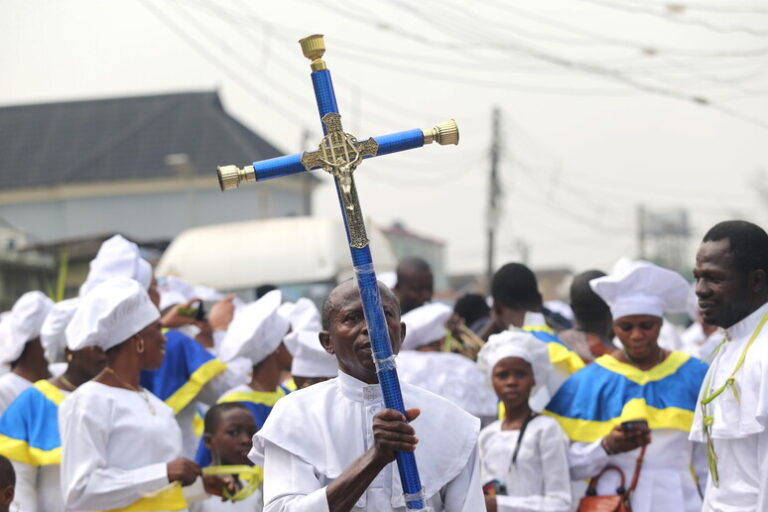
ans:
(186, 368)
(29, 427)
(607, 392)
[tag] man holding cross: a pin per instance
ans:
(329, 447)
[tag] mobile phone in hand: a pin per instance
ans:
(632, 426)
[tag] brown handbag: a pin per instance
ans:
(619, 502)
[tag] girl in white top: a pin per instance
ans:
(120, 443)
(524, 457)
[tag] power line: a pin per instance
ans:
(234, 75)
(671, 17)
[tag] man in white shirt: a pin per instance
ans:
(732, 415)
(330, 447)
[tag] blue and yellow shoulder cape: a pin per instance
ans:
(599, 397)
(561, 357)
(186, 368)
(29, 427)
(260, 404)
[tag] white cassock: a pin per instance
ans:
(452, 376)
(11, 386)
(115, 451)
(739, 429)
(539, 481)
(314, 434)
(666, 483)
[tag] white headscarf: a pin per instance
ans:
(642, 288)
(52, 333)
(304, 317)
(174, 290)
(425, 324)
(311, 359)
(113, 311)
(23, 324)
(516, 343)
(256, 330)
(118, 257)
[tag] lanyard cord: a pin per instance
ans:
(709, 396)
(519, 442)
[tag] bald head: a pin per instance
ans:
(346, 291)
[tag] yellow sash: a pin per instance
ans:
(169, 498)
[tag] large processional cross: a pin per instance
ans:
(339, 153)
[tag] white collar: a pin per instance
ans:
(746, 326)
(357, 390)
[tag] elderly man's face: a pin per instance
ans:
(347, 335)
(724, 291)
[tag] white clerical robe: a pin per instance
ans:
(314, 434)
(739, 429)
(668, 478)
(11, 386)
(115, 450)
(452, 376)
(539, 480)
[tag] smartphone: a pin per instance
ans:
(198, 312)
(629, 427)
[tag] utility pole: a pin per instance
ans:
(641, 235)
(494, 193)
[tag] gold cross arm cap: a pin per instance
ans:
(230, 176)
(443, 133)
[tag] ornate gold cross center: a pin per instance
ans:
(339, 154)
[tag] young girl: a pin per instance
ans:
(524, 457)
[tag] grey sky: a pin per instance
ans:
(582, 147)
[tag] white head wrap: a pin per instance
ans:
(52, 333)
(23, 324)
(256, 330)
(642, 288)
(109, 314)
(425, 324)
(311, 359)
(174, 290)
(304, 317)
(516, 343)
(117, 257)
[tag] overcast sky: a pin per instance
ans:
(597, 100)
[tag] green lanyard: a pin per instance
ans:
(709, 396)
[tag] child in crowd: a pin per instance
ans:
(229, 428)
(7, 484)
(524, 457)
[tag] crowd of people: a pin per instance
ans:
(146, 394)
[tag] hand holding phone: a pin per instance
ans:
(632, 426)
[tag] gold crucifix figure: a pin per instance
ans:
(339, 154)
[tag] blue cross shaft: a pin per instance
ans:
(374, 314)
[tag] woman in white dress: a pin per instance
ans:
(121, 445)
(523, 457)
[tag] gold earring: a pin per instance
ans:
(140, 347)
(69, 357)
